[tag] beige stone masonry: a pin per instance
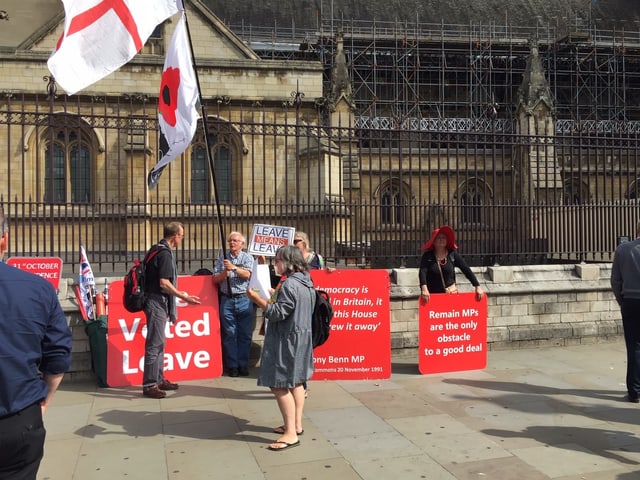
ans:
(530, 306)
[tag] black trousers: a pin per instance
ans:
(21, 444)
(630, 309)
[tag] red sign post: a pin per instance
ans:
(359, 346)
(193, 350)
(49, 268)
(452, 333)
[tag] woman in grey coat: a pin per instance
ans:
(287, 353)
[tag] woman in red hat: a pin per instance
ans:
(437, 266)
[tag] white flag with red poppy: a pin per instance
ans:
(102, 35)
(177, 102)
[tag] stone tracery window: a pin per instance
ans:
(67, 165)
(473, 196)
(224, 145)
(394, 198)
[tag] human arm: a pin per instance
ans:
(616, 277)
(166, 285)
(422, 276)
(53, 382)
(56, 350)
(226, 269)
(256, 298)
(464, 268)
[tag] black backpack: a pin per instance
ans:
(321, 318)
(133, 297)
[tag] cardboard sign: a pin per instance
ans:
(49, 268)
(193, 350)
(452, 333)
(359, 346)
(267, 239)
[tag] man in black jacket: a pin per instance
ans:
(160, 306)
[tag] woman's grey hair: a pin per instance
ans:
(292, 259)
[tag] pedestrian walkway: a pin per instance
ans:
(530, 415)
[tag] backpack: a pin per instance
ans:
(133, 298)
(321, 318)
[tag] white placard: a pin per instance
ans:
(267, 239)
(260, 280)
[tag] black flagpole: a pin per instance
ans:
(206, 142)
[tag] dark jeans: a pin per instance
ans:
(236, 322)
(21, 444)
(631, 323)
(156, 311)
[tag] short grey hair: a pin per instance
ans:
(244, 240)
(292, 259)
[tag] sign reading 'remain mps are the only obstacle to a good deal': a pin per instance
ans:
(452, 333)
(359, 345)
(193, 349)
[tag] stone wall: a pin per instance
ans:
(529, 306)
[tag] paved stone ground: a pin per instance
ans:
(552, 413)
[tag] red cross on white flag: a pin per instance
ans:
(102, 35)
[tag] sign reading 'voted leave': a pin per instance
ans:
(192, 351)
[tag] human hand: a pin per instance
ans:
(191, 299)
(424, 296)
(479, 293)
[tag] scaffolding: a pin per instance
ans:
(441, 77)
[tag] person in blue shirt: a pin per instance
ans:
(232, 273)
(35, 348)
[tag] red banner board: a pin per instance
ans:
(452, 333)
(193, 350)
(359, 346)
(49, 268)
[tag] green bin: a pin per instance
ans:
(97, 333)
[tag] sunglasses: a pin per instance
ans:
(297, 241)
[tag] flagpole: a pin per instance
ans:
(205, 128)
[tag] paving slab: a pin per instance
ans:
(532, 414)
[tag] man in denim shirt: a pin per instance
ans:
(232, 273)
(35, 348)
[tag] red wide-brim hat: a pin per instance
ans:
(448, 232)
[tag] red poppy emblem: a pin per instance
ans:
(168, 102)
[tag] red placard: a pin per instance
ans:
(453, 333)
(49, 268)
(193, 350)
(359, 346)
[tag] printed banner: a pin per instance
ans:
(267, 239)
(359, 346)
(193, 348)
(452, 333)
(49, 268)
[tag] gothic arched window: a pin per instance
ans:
(67, 165)
(224, 145)
(394, 198)
(473, 196)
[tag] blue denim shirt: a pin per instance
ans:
(34, 336)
